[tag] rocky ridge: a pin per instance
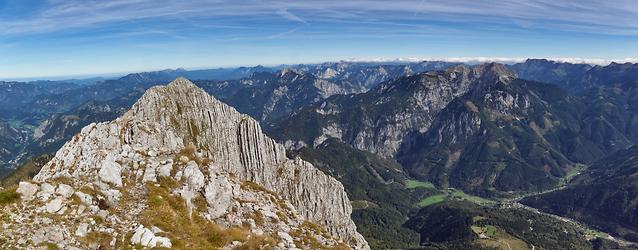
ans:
(359, 77)
(381, 120)
(179, 153)
(275, 95)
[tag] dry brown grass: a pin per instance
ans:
(190, 152)
(258, 218)
(9, 196)
(50, 246)
(90, 191)
(100, 238)
(265, 242)
(249, 185)
(170, 214)
(304, 236)
(282, 216)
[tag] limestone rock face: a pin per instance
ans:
(386, 118)
(147, 141)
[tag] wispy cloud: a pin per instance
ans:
(592, 16)
(124, 35)
(290, 16)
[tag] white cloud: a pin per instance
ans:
(506, 60)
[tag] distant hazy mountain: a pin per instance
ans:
(611, 75)
(12, 142)
(576, 77)
(498, 136)
(543, 70)
(203, 74)
(15, 95)
(361, 76)
(269, 96)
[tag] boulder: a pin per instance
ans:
(54, 205)
(27, 190)
(111, 171)
(194, 177)
(147, 238)
(64, 190)
(49, 234)
(218, 193)
(84, 198)
(46, 191)
(165, 169)
(83, 230)
(150, 174)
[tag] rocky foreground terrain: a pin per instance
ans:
(180, 170)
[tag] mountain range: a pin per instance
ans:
(42, 107)
(210, 191)
(411, 143)
(443, 126)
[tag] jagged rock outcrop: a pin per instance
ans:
(202, 151)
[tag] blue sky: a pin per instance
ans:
(82, 37)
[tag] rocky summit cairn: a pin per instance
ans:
(180, 170)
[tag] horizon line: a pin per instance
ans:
(467, 60)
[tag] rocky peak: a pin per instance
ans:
(287, 72)
(457, 77)
(490, 78)
(413, 84)
(535, 61)
(616, 64)
(495, 72)
(626, 65)
(459, 68)
(262, 75)
(194, 150)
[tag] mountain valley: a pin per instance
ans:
(412, 144)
